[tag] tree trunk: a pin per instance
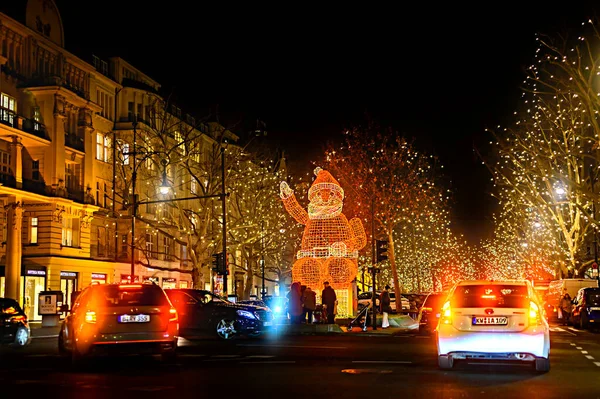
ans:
(392, 259)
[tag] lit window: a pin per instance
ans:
(103, 144)
(70, 232)
(33, 238)
(8, 108)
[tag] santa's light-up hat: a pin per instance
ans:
(324, 181)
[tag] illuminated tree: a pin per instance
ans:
(544, 162)
(385, 174)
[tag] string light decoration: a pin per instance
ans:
(330, 243)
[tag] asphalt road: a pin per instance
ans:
(304, 366)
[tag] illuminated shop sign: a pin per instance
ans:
(68, 274)
(36, 272)
(98, 276)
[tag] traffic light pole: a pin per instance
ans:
(373, 259)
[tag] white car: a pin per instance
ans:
(365, 298)
(498, 320)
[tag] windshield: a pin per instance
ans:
(493, 296)
(593, 298)
(434, 301)
(206, 296)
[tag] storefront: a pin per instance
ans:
(68, 285)
(169, 282)
(150, 279)
(33, 281)
(126, 278)
(183, 284)
(99, 278)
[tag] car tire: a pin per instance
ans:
(21, 338)
(542, 364)
(62, 350)
(445, 362)
(583, 323)
(225, 329)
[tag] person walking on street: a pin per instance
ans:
(566, 305)
(385, 306)
(328, 299)
(295, 303)
(303, 315)
(309, 299)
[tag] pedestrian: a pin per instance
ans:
(309, 300)
(303, 315)
(295, 303)
(566, 305)
(385, 306)
(328, 299)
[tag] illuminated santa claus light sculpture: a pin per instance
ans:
(330, 242)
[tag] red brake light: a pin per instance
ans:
(129, 286)
(446, 316)
(172, 314)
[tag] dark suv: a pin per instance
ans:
(202, 312)
(586, 308)
(120, 318)
(430, 312)
(14, 328)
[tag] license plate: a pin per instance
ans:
(137, 318)
(490, 321)
(268, 323)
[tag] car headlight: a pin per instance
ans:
(246, 314)
(277, 309)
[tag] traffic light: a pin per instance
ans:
(220, 264)
(381, 248)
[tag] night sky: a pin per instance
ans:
(440, 74)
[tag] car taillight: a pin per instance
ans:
(446, 316)
(90, 316)
(427, 309)
(534, 314)
(172, 314)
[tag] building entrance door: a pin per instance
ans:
(68, 285)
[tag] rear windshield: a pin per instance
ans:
(496, 296)
(145, 295)
(434, 301)
(593, 298)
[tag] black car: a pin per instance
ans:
(429, 313)
(202, 312)
(14, 327)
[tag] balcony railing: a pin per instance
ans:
(12, 119)
(74, 141)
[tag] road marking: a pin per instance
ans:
(597, 364)
(579, 348)
(294, 346)
(271, 362)
(590, 357)
(556, 329)
(574, 329)
(382, 361)
(584, 352)
(572, 344)
(260, 357)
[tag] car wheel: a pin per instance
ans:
(226, 329)
(445, 362)
(542, 364)
(21, 337)
(583, 323)
(62, 350)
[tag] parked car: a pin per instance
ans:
(255, 302)
(497, 320)
(556, 290)
(364, 299)
(120, 318)
(14, 325)
(430, 312)
(586, 308)
(202, 312)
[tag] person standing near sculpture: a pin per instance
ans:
(328, 298)
(309, 300)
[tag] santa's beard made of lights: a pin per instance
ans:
(330, 242)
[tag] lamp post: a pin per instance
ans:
(164, 189)
(262, 261)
